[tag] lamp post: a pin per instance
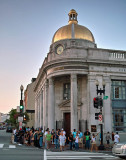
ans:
(21, 89)
(21, 107)
(101, 91)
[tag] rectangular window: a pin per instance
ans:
(119, 117)
(66, 91)
(124, 92)
(118, 90)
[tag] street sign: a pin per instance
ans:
(105, 97)
(20, 119)
(20, 125)
(100, 117)
(18, 109)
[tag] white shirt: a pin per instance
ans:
(62, 138)
(93, 139)
(76, 139)
(116, 138)
(46, 133)
(14, 131)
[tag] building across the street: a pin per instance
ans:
(72, 74)
(29, 102)
(3, 118)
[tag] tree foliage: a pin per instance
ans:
(13, 117)
(13, 120)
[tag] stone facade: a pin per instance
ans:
(80, 64)
(29, 100)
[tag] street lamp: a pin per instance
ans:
(21, 108)
(21, 89)
(101, 91)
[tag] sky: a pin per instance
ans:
(27, 28)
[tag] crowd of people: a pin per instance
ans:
(58, 139)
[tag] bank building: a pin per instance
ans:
(71, 76)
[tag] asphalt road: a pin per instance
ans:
(10, 151)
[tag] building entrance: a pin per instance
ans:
(67, 125)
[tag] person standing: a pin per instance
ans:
(116, 138)
(76, 142)
(108, 139)
(70, 139)
(40, 138)
(62, 139)
(56, 138)
(113, 136)
(80, 139)
(48, 139)
(35, 138)
(53, 135)
(45, 137)
(87, 139)
(74, 135)
(93, 143)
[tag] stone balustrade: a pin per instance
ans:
(116, 55)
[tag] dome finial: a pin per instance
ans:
(72, 16)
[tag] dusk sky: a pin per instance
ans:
(27, 28)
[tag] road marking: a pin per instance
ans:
(68, 158)
(75, 155)
(72, 152)
(5, 149)
(45, 158)
(1, 145)
(12, 146)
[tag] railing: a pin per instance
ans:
(116, 55)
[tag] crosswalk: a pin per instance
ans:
(66, 155)
(17, 146)
(7, 146)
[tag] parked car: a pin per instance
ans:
(4, 127)
(9, 129)
(1, 128)
(119, 149)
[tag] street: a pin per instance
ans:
(10, 151)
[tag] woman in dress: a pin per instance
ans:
(62, 139)
(93, 142)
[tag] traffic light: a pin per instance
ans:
(24, 118)
(21, 109)
(97, 116)
(96, 102)
(100, 102)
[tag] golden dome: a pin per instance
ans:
(73, 30)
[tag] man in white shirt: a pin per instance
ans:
(116, 138)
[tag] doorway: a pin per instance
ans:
(67, 123)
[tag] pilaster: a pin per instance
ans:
(51, 105)
(74, 118)
(45, 105)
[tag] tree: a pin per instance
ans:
(13, 120)
(13, 117)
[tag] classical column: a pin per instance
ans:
(74, 118)
(41, 108)
(45, 106)
(107, 109)
(91, 93)
(36, 115)
(51, 106)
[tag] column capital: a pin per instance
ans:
(91, 78)
(51, 81)
(73, 77)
